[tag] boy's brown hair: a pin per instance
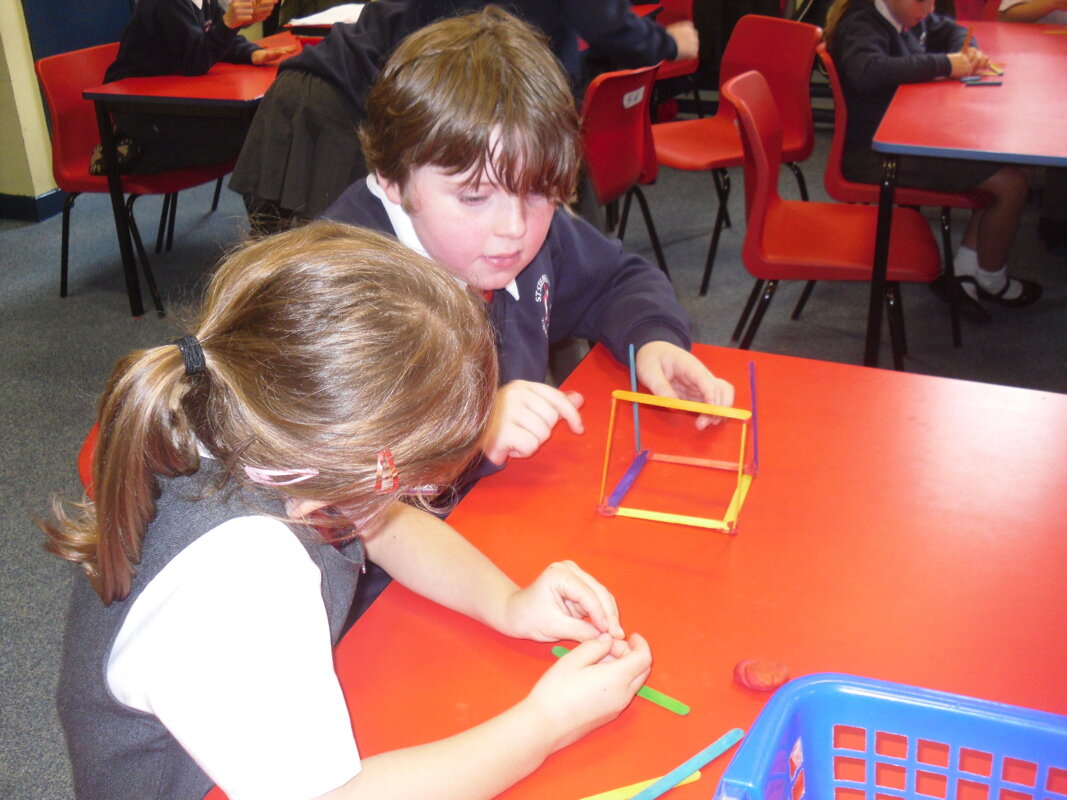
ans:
(480, 91)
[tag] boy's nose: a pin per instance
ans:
(511, 221)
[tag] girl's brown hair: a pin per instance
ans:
(480, 91)
(324, 346)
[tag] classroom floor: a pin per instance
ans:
(55, 354)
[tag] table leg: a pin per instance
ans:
(881, 259)
(118, 208)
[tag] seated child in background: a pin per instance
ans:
(241, 474)
(1044, 11)
(880, 44)
(184, 37)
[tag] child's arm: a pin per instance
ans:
(585, 689)
(431, 558)
(1032, 11)
(873, 63)
(524, 414)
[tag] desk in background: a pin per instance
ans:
(1022, 121)
(901, 527)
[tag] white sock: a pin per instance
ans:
(994, 282)
(965, 262)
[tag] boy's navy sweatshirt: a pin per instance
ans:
(174, 37)
(874, 58)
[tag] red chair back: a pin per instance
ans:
(783, 51)
(991, 10)
(675, 11)
(617, 133)
(74, 129)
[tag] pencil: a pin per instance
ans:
(967, 41)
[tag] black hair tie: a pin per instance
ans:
(192, 355)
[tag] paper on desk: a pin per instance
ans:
(346, 12)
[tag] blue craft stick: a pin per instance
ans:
(755, 417)
(627, 480)
(633, 388)
(683, 771)
(971, 79)
(985, 83)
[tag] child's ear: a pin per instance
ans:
(391, 189)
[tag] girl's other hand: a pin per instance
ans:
(565, 602)
(590, 686)
(239, 14)
(268, 56)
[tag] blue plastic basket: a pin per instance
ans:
(838, 737)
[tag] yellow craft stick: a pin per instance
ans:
(626, 792)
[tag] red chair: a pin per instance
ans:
(75, 133)
(678, 11)
(784, 51)
(798, 240)
(843, 190)
(991, 11)
(617, 144)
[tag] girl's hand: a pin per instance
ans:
(268, 56)
(590, 686)
(669, 371)
(962, 66)
(565, 602)
(239, 14)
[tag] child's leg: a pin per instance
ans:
(989, 234)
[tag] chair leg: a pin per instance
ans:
(950, 272)
(802, 184)
(218, 193)
(64, 248)
(611, 215)
(803, 301)
(757, 287)
(895, 318)
(170, 221)
(761, 309)
(163, 222)
(146, 267)
(722, 186)
(652, 235)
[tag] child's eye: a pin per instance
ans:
(471, 199)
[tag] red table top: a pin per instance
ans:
(901, 527)
(224, 84)
(1021, 121)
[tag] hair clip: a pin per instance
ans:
(386, 483)
(280, 477)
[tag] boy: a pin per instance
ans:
(472, 141)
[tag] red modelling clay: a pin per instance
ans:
(762, 676)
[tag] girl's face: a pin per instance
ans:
(910, 13)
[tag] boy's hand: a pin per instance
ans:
(524, 414)
(261, 9)
(962, 65)
(239, 14)
(268, 56)
(686, 38)
(590, 686)
(667, 370)
(565, 602)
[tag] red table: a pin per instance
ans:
(1023, 121)
(231, 90)
(901, 527)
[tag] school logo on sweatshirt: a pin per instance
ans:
(541, 295)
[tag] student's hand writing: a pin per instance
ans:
(590, 686)
(267, 56)
(979, 60)
(524, 414)
(667, 370)
(686, 38)
(962, 65)
(565, 602)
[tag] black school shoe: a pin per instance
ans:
(1031, 293)
(950, 290)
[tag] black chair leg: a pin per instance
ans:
(739, 329)
(809, 287)
(802, 184)
(950, 273)
(64, 249)
(170, 221)
(895, 318)
(218, 193)
(761, 309)
(163, 222)
(146, 266)
(652, 235)
(722, 187)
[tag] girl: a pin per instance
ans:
(240, 476)
(880, 44)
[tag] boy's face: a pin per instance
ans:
(482, 234)
(910, 13)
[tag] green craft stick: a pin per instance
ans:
(647, 692)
